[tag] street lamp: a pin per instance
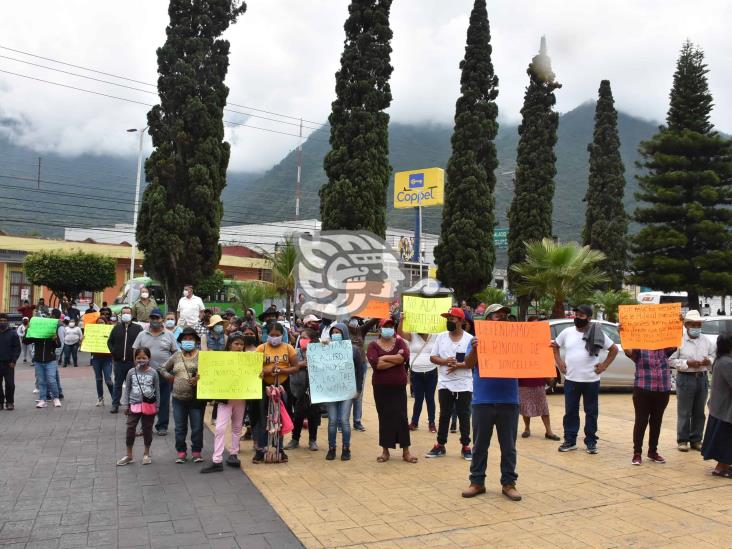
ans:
(137, 200)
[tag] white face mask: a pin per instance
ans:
(145, 295)
(72, 324)
(126, 317)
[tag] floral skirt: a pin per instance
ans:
(532, 401)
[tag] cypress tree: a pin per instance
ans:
(357, 165)
(606, 224)
(685, 242)
(530, 214)
(180, 214)
(465, 254)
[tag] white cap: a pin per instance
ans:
(310, 318)
(692, 316)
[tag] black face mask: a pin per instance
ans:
(250, 340)
(451, 326)
(581, 322)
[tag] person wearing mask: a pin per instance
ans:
(717, 443)
(190, 307)
(388, 355)
(495, 404)
(44, 361)
(142, 308)
(73, 336)
(582, 369)
(162, 346)
(25, 350)
(142, 400)
(26, 309)
(692, 361)
(72, 312)
(106, 314)
(270, 316)
(42, 308)
(120, 342)
(424, 374)
(304, 409)
(215, 336)
(9, 354)
(171, 327)
(102, 365)
(181, 370)
(454, 382)
(359, 330)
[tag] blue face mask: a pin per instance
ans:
(219, 329)
(694, 332)
(188, 345)
(336, 337)
(387, 333)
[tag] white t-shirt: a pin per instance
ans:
(189, 309)
(580, 363)
(420, 352)
(460, 380)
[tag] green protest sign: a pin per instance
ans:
(42, 328)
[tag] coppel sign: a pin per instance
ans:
(419, 188)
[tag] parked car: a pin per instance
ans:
(712, 326)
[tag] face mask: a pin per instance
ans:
(188, 345)
(145, 295)
(3, 326)
(169, 323)
(336, 337)
(141, 363)
(72, 324)
(219, 329)
(126, 317)
(114, 318)
(387, 333)
(274, 341)
(694, 332)
(581, 322)
(156, 324)
(451, 325)
(250, 341)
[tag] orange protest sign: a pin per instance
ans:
(514, 349)
(650, 326)
(376, 308)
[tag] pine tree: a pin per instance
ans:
(180, 214)
(465, 254)
(606, 223)
(530, 214)
(686, 242)
(357, 165)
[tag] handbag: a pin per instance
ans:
(285, 420)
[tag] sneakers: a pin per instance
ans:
(56, 403)
(10, 406)
(114, 410)
(438, 450)
(258, 457)
(683, 446)
(181, 457)
(467, 453)
(124, 461)
(233, 461)
(433, 428)
(213, 468)
(567, 446)
(41, 404)
(346, 453)
(294, 443)
(197, 457)
(696, 446)
(591, 449)
(359, 427)
(162, 432)
(637, 459)
(35, 391)
(146, 460)
(330, 456)
(412, 426)
(509, 490)
(473, 490)
(656, 457)
(100, 402)
(313, 446)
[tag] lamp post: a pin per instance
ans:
(137, 200)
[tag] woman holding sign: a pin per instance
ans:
(102, 365)
(387, 356)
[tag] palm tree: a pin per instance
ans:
(610, 300)
(248, 293)
(491, 295)
(284, 261)
(559, 271)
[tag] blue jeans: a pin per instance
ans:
(103, 369)
(358, 403)
(58, 384)
(120, 374)
(185, 411)
(71, 351)
(164, 410)
(338, 413)
(46, 373)
(589, 391)
(691, 397)
(424, 385)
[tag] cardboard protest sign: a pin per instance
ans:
(650, 326)
(376, 308)
(514, 349)
(422, 315)
(90, 318)
(95, 338)
(330, 371)
(225, 375)
(42, 328)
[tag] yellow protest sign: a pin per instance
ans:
(514, 349)
(228, 375)
(419, 188)
(95, 338)
(650, 327)
(422, 315)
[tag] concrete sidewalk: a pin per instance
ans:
(60, 487)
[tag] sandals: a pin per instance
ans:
(727, 473)
(383, 459)
(411, 459)
(552, 437)
(526, 434)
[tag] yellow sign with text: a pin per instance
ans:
(95, 338)
(228, 375)
(423, 315)
(419, 188)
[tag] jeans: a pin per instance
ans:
(590, 392)
(46, 375)
(73, 352)
(649, 407)
(338, 413)
(358, 403)
(504, 417)
(7, 377)
(691, 397)
(232, 411)
(185, 411)
(61, 354)
(424, 385)
(462, 404)
(120, 374)
(103, 369)
(164, 410)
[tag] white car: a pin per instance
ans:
(712, 326)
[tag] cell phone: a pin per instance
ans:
(460, 357)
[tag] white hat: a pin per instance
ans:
(692, 316)
(310, 318)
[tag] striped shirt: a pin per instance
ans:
(652, 372)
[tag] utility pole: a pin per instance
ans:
(298, 190)
(39, 173)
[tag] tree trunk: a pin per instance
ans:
(693, 300)
(523, 303)
(558, 309)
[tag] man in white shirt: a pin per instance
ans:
(692, 361)
(454, 382)
(582, 367)
(190, 307)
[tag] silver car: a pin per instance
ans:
(712, 326)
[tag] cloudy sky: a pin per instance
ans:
(284, 54)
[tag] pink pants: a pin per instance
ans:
(233, 411)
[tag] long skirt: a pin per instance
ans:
(391, 406)
(532, 401)
(717, 443)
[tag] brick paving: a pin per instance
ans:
(60, 487)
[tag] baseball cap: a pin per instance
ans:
(495, 307)
(584, 309)
(310, 318)
(156, 312)
(456, 312)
